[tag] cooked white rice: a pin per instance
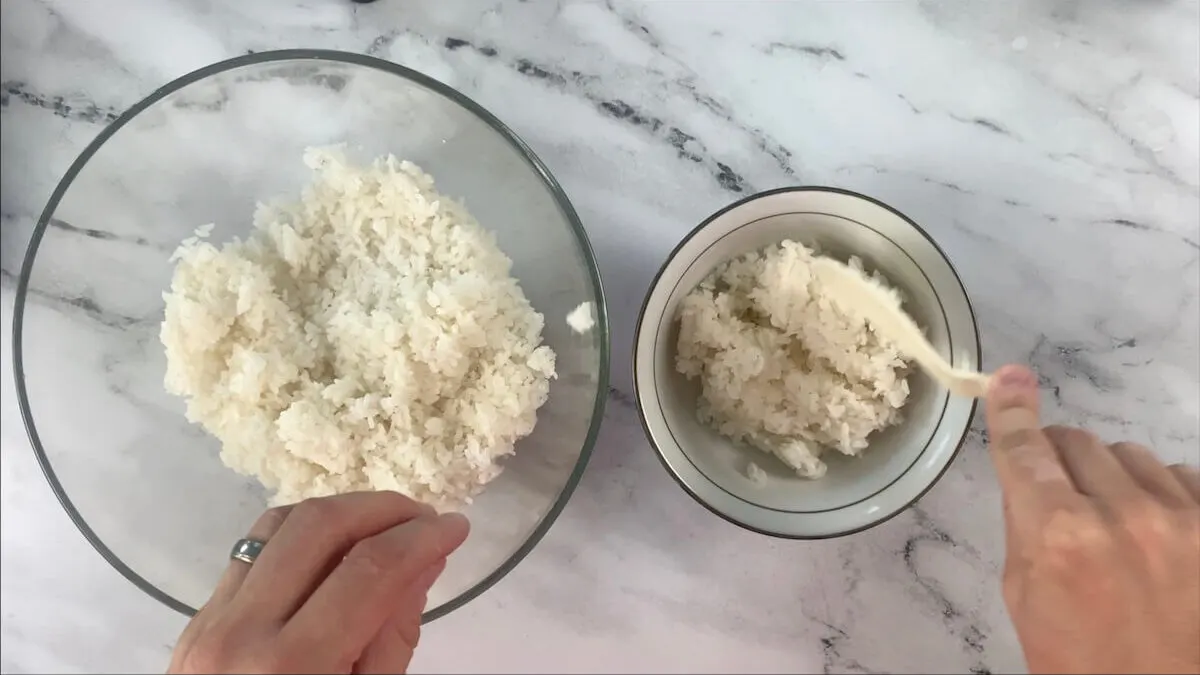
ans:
(581, 319)
(367, 336)
(781, 366)
(756, 474)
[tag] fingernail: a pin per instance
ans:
(1014, 377)
(452, 529)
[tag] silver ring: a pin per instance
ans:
(247, 550)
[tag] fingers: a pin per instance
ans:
(1094, 469)
(264, 529)
(392, 648)
(1188, 477)
(1146, 470)
(1040, 469)
(362, 593)
(1031, 473)
(312, 540)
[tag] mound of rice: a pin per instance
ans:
(782, 367)
(368, 336)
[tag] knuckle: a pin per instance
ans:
(1148, 521)
(1072, 539)
(317, 514)
(1160, 533)
(271, 519)
(1018, 438)
(373, 557)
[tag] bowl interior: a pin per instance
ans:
(851, 493)
(148, 485)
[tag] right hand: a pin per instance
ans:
(1102, 572)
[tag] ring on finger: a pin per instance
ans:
(239, 567)
(247, 550)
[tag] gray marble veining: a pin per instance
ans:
(1051, 148)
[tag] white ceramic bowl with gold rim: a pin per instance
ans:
(902, 462)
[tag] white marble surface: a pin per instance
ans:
(1051, 147)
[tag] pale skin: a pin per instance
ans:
(1102, 573)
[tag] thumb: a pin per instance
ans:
(1031, 474)
(1012, 407)
(392, 649)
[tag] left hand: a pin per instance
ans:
(339, 588)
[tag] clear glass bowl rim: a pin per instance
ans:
(257, 58)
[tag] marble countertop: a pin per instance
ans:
(1050, 147)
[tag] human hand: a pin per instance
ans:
(1103, 544)
(339, 588)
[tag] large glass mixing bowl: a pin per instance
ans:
(142, 484)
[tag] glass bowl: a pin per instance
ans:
(142, 484)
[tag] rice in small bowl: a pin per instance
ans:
(774, 409)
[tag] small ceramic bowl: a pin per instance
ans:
(901, 462)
